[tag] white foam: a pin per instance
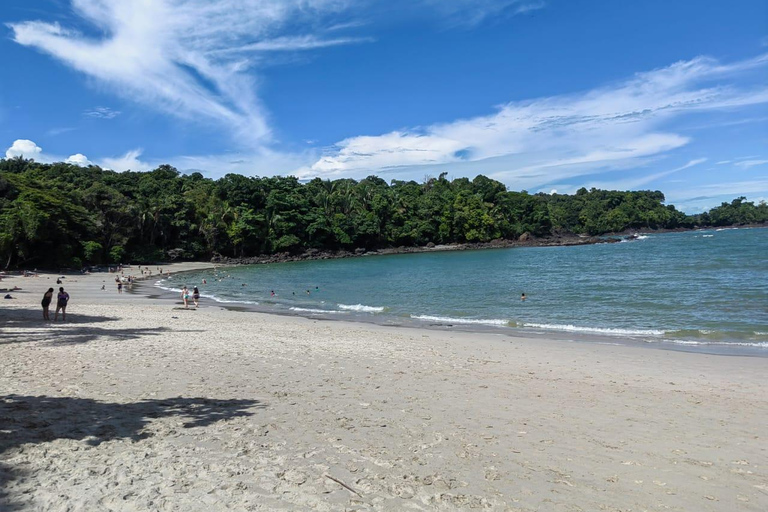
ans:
(361, 308)
(599, 330)
(167, 288)
(478, 321)
(707, 236)
(225, 301)
(758, 344)
(215, 298)
(310, 310)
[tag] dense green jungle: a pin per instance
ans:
(62, 215)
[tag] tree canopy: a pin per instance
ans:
(65, 215)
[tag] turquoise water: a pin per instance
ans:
(702, 288)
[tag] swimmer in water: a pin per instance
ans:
(272, 293)
(522, 297)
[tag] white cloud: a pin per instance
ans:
(746, 164)
(102, 113)
(194, 59)
(78, 159)
(166, 54)
(701, 198)
(128, 162)
(294, 43)
(473, 12)
(635, 183)
(58, 131)
(24, 148)
(531, 143)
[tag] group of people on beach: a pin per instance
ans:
(61, 304)
(195, 296)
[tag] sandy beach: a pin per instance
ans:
(137, 404)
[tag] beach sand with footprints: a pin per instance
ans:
(134, 404)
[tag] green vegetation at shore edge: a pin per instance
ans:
(63, 215)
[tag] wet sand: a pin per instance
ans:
(138, 404)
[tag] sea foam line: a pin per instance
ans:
(598, 330)
(310, 310)
(756, 344)
(208, 296)
(361, 308)
(477, 321)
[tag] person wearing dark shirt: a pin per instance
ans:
(47, 298)
(61, 304)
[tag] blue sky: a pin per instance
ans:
(540, 94)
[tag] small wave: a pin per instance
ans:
(598, 330)
(710, 336)
(362, 308)
(755, 344)
(310, 310)
(478, 321)
(225, 301)
(707, 236)
(167, 288)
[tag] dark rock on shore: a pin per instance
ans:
(526, 240)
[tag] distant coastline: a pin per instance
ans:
(564, 240)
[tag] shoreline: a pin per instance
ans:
(566, 240)
(585, 335)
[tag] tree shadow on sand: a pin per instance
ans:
(23, 325)
(26, 420)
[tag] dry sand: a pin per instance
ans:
(135, 405)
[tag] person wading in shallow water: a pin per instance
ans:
(61, 304)
(47, 298)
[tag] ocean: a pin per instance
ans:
(696, 290)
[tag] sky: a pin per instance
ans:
(542, 95)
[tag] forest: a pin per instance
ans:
(63, 215)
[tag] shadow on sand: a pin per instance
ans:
(22, 325)
(28, 420)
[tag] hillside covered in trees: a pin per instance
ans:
(63, 215)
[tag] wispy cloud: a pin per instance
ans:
(195, 59)
(294, 43)
(473, 12)
(636, 183)
(746, 164)
(101, 113)
(532, 143)
(166, 54)
(58, 131)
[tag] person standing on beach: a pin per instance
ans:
(61, 304)
(47, 298)
(119, 287)
(196, 296)
(185, 296)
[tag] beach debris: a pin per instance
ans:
(343, 485)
